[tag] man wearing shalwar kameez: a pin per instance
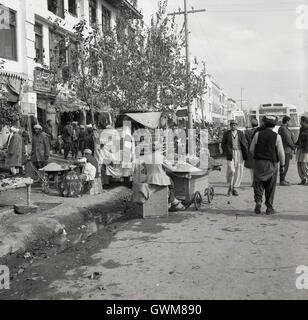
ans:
(268, 151)
(235, 147)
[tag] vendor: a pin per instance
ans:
(88, 172)
(156, 175)
(92, 160)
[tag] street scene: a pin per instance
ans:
(148, 153)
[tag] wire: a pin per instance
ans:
(252, 11)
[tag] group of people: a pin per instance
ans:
(261, 150)
(18, 152)
(76, 138)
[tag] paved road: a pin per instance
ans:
(221, 252)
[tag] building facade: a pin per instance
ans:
(30, 34)
(216, 103)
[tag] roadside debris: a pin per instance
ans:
(95, 275)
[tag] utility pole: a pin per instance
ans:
(185, 13)
(242, 100)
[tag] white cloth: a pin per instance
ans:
(235, 169)
(89, 171)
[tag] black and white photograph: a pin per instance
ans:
(154, 151)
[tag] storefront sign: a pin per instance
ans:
(43, 81)
(28, 103)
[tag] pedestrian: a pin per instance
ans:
(48, 131)
(91, 159)
(88, 173)
(40, 147)
(235, 148)
(75, 137)
(267, 149)
(67, 137)
(25, 153)
(81, 138)
(302, 153)
(289, 146)
(13, 158)
(89, 140)
(249, 163)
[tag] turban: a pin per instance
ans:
(87, 151)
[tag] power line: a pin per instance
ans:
(252, 11)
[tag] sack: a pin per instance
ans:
(71, 185)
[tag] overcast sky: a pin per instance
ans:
(250, 44)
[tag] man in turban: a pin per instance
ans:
(40, 147)
(234, 145)
(267, 150)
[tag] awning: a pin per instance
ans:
(150, 120)
(17, 75)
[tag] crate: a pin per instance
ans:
(156, 206)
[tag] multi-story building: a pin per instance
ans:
(215, 107)
(28, 38)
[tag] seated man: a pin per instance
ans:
(90, 159)
(88, 173)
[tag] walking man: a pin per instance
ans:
(234, 145)
(289, 147)
(48, 131)
(14, 151)
(249, 163)
(75, 137)
(267, 149)
(40, 148)
(67, 137)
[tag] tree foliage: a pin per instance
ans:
(9, 113)
(133, 66)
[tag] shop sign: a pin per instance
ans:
(43, 81)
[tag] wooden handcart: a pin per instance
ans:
(192, 187)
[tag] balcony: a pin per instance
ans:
(130, 5)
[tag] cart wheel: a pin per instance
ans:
(197, 200)
(210, 194)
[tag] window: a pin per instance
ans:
(38, 29)
(8, 49)
(92, 11)
(57, 49)
(72, 7)
(106, 19)
(57, 7)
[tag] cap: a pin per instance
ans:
(233, 122)
(270, 119)
(87, 151)
(38, 126)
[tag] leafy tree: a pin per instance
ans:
(132, 66)
(9, 113)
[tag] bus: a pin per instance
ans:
(278, 110)
(240, 118)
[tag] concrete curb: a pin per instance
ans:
(20, 235)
